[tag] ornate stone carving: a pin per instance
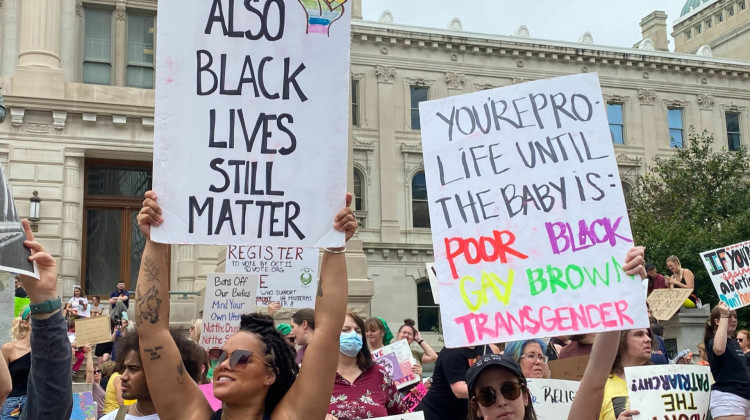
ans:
(706, 101)
(647, 45)
(615, 99)
(120, 13)
(586, 38)
(517, 80)
(483, 86)
(628, 160)
(647, 96)
(58, 120)
(675, 103)
(37, 128)
(704, 51)
(522, 32)
(733, 108)
(79, 8)
(385, 74)
(455, 25)
(386, 17)
(16, 116)
(455, 80)
(411, 148)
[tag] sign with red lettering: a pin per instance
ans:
(528, 218)
(729, 268)
(228, 297)
(669, 391)
(251, 118)
(288, 275)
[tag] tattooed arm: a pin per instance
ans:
(310, 395)
(173, 392)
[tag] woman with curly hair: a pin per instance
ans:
(256, 376)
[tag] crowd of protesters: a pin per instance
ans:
(320, 364)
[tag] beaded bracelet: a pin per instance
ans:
(335, 251)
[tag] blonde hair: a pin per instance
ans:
(196, 327)
(673, 259)
(20, 329)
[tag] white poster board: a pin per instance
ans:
(417, 415)
(288, 275)
(669, 391)
(432, 276)
(228, 297)
(528, 217)
(396, 359)
(14, 256)
(552, 398)
(729, 268)
(252, 105)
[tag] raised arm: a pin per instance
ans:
(49, 389)
(6, 385)
(310, 395)
(174, 394)
(429, 355)
(89, 363)
(720, 339)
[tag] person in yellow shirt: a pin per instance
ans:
(113, 396)
(634, 350)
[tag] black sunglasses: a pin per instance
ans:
(487, 396)
(239, 357)
(97, 371)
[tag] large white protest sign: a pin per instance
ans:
(527, 213)
(396, 359)
(729, 268)
(552, 398)
(228, 297)
(417, 415)
(432, 276)
(669, 391)
(288, 275)
(252, 105)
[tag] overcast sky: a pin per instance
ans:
(613, 23)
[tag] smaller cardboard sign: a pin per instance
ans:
(570, 368)
(665, 303)
(396, 359)
(84, 407)
(288, 275)
(228, 297)
(417, 415)
(93, 330)
(552, 398)
(432, 275)
(669, 391)
(414, 396)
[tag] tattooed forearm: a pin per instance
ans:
(151, 270)
(153, 353)
(180, 373)
(149, 305)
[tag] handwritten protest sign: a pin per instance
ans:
(432, 276)
(13, 254)
(396, 359)
(414, 396)
(729, 268)
(228, 297)
(527, 213)
(288, 275)
(669, 391)
(417, 415)
(552, 398)
(93, 330)
(665, 303)
(84, 407)
(251, 117)
(571, 368)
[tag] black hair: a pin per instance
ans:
(306, 314)
(189, 351)
(278, 354)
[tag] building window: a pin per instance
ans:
(699, 28)
(730, 10)
(97, 47)
(709, 24)
(614, 116)
(742, 5)
(428, 312)
(733, 131)
(688, 33)
(418, 94)
(140, 68)
(355, 103)
(113, 244)
(674, 118)
(720, 17)
(359, 191)
(419, 208)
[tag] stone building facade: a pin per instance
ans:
(714, 27)
(77, 76)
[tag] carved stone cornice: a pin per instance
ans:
(363, 144)
(455, 80)
(120, 13)
(647, 96)
(706, 101)
(628, 160)
(79, 8)
(385, 74)
(483, 86)
(411, 148)
(615, 99)
(733, 108)
(675, 103)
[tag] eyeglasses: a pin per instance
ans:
(239, 357)
(740, 340)
(97, 371)
(487, 396)
(534, 357)
(290, 339)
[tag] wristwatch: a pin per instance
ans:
(45, 307)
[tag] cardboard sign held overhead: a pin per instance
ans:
(528, 218)
(665, 303)
(669, 391)
(14, 256)
(93, 330)
(730, 273)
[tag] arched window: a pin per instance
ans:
(428, 312)
(359, 192)
(419, 209)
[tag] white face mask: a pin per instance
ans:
(350, 343)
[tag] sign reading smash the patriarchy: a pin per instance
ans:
(288, 275)
(251, 117)
(528, 218)
(729, 268)
(669, 391)
(228, 297)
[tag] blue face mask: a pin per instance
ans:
(350, 343)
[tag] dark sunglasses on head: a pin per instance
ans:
(487, 396)
(239, 357)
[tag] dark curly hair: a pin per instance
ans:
(278, 354)
(192, 354)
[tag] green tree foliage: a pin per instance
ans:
(694, 201)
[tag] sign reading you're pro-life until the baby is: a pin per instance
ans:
(528, 218)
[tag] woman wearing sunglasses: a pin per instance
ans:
(497, 390)
(255, 372)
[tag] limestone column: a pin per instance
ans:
(38, 72)
(69, 37)
(357, 9)
(9, 48)
(389, 172)
(121, 48)
(70, 261)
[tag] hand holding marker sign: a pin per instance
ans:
(528, 217)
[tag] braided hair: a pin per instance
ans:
(277, 352)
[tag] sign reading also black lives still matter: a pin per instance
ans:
(252, 103)
(528, 217)
(228, 297)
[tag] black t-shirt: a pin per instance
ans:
(451, 366)
(730, 370)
